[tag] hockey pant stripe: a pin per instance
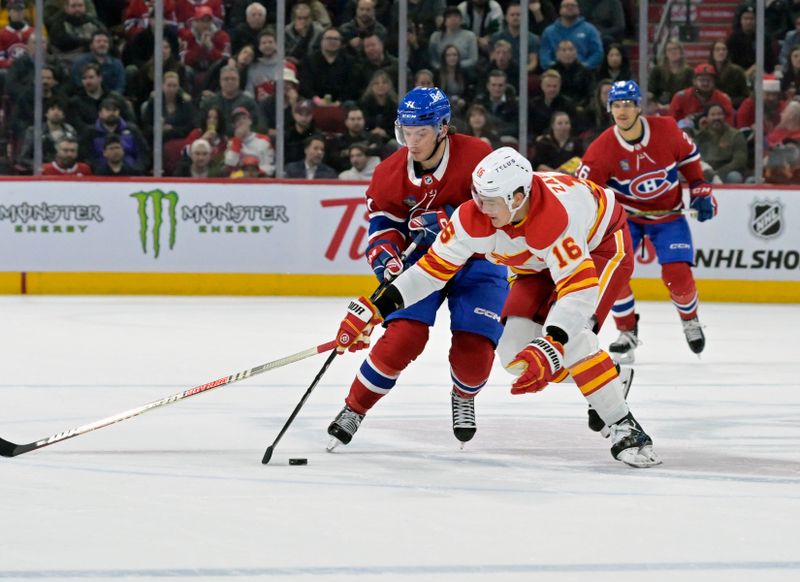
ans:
(612, 265)
(375, 380)
(594, 372)
(624, 306)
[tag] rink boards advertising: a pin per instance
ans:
(279, 237)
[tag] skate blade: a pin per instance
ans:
(640, 458)
(332, 444)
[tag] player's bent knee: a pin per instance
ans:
(471, 358)
(401, 344)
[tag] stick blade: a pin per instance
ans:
(8, 449)
(267, 455)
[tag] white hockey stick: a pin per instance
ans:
(9, 449)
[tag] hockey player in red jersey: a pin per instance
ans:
(568, 243)
(410, 196)
(639, 159)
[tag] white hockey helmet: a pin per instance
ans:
(500, 174)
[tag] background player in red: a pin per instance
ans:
(639, 159)
(412, 193)
(568, 242)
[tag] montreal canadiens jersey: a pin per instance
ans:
(644, 176)
(567, 219)
(395, 191)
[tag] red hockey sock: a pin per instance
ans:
(682, 289)
(471, 357)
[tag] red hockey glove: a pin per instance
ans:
(430, 223)
(702, 200)
(539, 363)
(384, 258)
(362, 316)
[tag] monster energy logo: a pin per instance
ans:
(156, 197)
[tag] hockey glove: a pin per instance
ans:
(356, 327)
(385, 260)
(703, 201)
(430, 223)
(539, 362)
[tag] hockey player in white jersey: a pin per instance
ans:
(567, 242)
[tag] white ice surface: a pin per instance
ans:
(179, 493)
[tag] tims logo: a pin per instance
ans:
(151, 215)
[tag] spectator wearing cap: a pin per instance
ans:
(291, 95)
(687, 103)
(362, 165)
(452, 33)
(247, 32)
(361, 26)
(774, 104)
(109, 122)
(71, 29)
(512, 33)
(54, 129)
(730, 76)
(248, 169)
(311, 166)
(542, 107)
(115, 163)
(85, 103)
(230, 97)
(200, 163)
(574, 27)
(723, 148)
(14, 36)
(186, 10)
(302, 33)
(327, 72)
(66, 161)
(264, 70)
(355, 132)
(484, 18)
(28, 10)
(607, 16)
(296, 132)
(204, 41)
(245, 142)
(113, 71)
(742, 41)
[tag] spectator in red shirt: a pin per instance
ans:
(185, 11)
(773, 106)
(687, 103)
(204, 42)
(14, 36)
(788, 129)
(140, 15)
(66, 162)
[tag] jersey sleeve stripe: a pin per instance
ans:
(583, 277)
(437, 267)
(612, 265)
(385, 215)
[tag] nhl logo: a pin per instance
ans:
(428, 180)
(767, 218)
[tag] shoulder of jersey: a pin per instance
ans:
(394, 164)
(474, 222)
(661, 122)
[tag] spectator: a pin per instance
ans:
(302, 33)
(248, 32)
(542, 107)
(291, 96)
(362, 26)
(28, 11)
(19, 75)
(686, 104)
(263, 72)
(512, 32)
(791, 40)
(730, 77)
(788, 129)
(424, 78)
(14, 36)
(790, 79)
(249, 169)
(777, 20)
(235, 11)
(479, 124)
(137, 51)
(577, 82)
(426, 15)
(723, 148)
(383, 10)
(66, 162)
(571, 26)
(327, 71)
(23, 112)
(212, 131)
(85, 104)
(71, 30)
(501, 103)
(742, 42)
(379, 104)
(783, 165)
(177, 110)
(186, 10)
(230, 97)
(297, 132)
(142, 84)
(53, 130)
(607, 17)
(200, 163)
(339, 145)
(245, 142)
(115, 163)
(139, 16)
(542, 14)
(205, 42)
(668, 77)
(111, 67)
(319, 13)
(374, 59)
(557, 149)
(54, 7)
(311, 166)
(241, 61)
(501, 59)
(452, 33)
(417, 47)
(773, 107)
(484, 18)
(456, 82)
(616, 65)
(596, 118)
(362, 164)
(109, 122)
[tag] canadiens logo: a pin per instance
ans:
(624, 165)
(650, 185)
(766, 218)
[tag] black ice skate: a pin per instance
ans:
(694, 334)
(595, 422)
(631, 445)
(343, 427)
(621, 350)
(464, 426)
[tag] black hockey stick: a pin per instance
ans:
(690, 212)
(9, 449)
(268, 453)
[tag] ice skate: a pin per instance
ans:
(695, 337)
(343, 427)
(463, 417)
(595, 422)
(621, 351)
(631, 445)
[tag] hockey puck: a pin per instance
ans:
(298, 461)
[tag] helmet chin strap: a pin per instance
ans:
(635, 121)
(439, 140)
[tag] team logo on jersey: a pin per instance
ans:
(428, 179)
(411, 202)
(650, 185)
(766, 218)
(626, 167)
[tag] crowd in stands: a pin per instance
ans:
(340, 74)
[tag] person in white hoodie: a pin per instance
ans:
(245, 142)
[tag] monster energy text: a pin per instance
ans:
(57, 218)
